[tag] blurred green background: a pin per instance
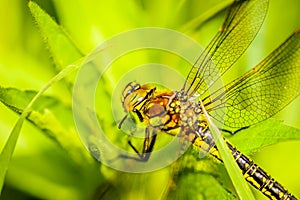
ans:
(43, 168)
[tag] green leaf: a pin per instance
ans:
(264, 134)
(241, 187)
(199, 186)
(198, 177)
(61, 46)
(9, 147)
(49, 115)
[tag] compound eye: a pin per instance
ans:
(129, 89)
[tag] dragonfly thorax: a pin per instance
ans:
(166, 110)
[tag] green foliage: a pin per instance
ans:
(261, 135)
(242, 189)
(63, 49)
(49, 161)
(212, 190)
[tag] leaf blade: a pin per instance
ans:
(7, 151)
(62, 48)
(264, 134)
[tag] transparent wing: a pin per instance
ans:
(262, 91)
(241, 25)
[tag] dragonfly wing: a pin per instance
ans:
(262, 91)
(240, 27)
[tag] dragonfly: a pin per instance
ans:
(252, 98)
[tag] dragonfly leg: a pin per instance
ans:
(234, 132)
(149, 141)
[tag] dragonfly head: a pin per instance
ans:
(133, 97)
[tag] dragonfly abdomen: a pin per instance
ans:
(253, 174)
(260, 179)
